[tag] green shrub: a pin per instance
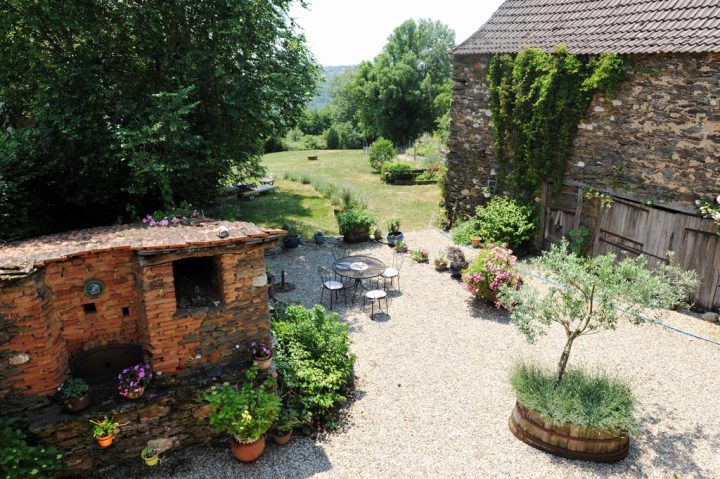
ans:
(504, 220)
(332, 138)
(464, 231)
(581, 398)
(313, 360)
(380, 152)
(354, 219)
(245, 413)
(20, 460)
(397, 170)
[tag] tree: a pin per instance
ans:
(588, 295)
(394, 95)
(113, 109)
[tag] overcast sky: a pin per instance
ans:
(346, 32)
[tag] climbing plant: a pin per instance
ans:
(537, 100)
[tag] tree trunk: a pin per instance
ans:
(564, 359)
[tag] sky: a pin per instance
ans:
(346, 32)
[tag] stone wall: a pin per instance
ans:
(657, 139)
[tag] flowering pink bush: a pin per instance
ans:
(182, 215)
(134, 378)
(493, 268)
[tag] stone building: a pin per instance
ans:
(654, 147)
(90, 303)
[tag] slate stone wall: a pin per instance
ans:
(657, 140)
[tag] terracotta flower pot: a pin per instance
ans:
(475, 242)
(105, 441)
(263, 364)
(135, 394)
(282, 439)
(77, 404)
(247, 452)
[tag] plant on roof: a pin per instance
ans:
(587, 295)
(184, 214)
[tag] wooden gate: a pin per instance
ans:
(629, 227)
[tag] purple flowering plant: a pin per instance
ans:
(185, 214)
(134, 378)
(493, 269)
(260, 350)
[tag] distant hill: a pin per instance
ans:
(324, 95)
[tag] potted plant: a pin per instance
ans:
(75, 394)
(440, 262)
(456, 260)
(355, 224)
(292, 238)
(261, 354)
(584, 296)
(493, 269)
(401, 247)
(319, 237)
(150, 455)
(104, 431)
(244, 413)
(421, 255)
(284, 425)
(132, 381)
(377, 235)
(394, 234)
(475, 241)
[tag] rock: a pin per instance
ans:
(202, 412)
(711, 317)
(19, 359)
(162, 444)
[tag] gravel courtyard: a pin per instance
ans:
(432, 397)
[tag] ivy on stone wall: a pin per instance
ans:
(537, 100)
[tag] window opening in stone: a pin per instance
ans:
(89, 308)
(126, 311)
(196, 282)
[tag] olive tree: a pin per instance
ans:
(587, 295)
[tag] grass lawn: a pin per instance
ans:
(289, 201)
(413, 204)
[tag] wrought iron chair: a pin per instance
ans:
(339, 252)
(326, 276)
(392, 272)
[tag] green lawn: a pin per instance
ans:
(414, 204)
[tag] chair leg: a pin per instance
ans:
(345, 293)
(331, 299)
(322, 292)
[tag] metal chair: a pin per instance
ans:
(331, 285)
(393, 271)
(376, 295)
(338, 252)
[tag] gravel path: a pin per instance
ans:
(433, 400)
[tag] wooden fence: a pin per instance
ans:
(634, 228)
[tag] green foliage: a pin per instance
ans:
(578, 239)
(379, 153)
(74, 388)
(397, 170)
(245, 413)
(287, 420)
(593, 294)
(581, 398)
(113, 109)
(297, 140)
(393, 225)
(463, 232)
(20, 460)
(354, 219)
(537, 101)
(493, 269)
(104, 428)
(504, 220)
(314, 361)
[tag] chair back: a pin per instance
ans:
(398, 260)
(338, 252)
(325, 274)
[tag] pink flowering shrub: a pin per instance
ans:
(493, 268)
(134, 378)
(185, 214)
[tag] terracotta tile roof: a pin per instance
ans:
(20, 257)
(600, 26)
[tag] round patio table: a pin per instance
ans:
(358, 268)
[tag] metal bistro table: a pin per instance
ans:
(358, 268)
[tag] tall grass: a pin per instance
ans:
(582, 398)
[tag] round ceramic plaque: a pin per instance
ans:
(93, 288)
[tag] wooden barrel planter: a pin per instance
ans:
(567, 440)
(356, 236)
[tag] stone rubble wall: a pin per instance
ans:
(657, 139)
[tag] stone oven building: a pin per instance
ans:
(91, 302)
(654, 146)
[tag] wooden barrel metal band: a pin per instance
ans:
(522, 410)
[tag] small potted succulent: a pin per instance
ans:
(440, 262)
(286, 421)
(104, 431)
(245, 414)
(421, 255)
(75, 394)
(150, 455)
(132, 381)
(456, 260)
(394, 234)
(319, 237)
(261, 354)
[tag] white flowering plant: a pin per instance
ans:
(710, 209)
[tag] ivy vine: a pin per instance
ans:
(537, 100)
